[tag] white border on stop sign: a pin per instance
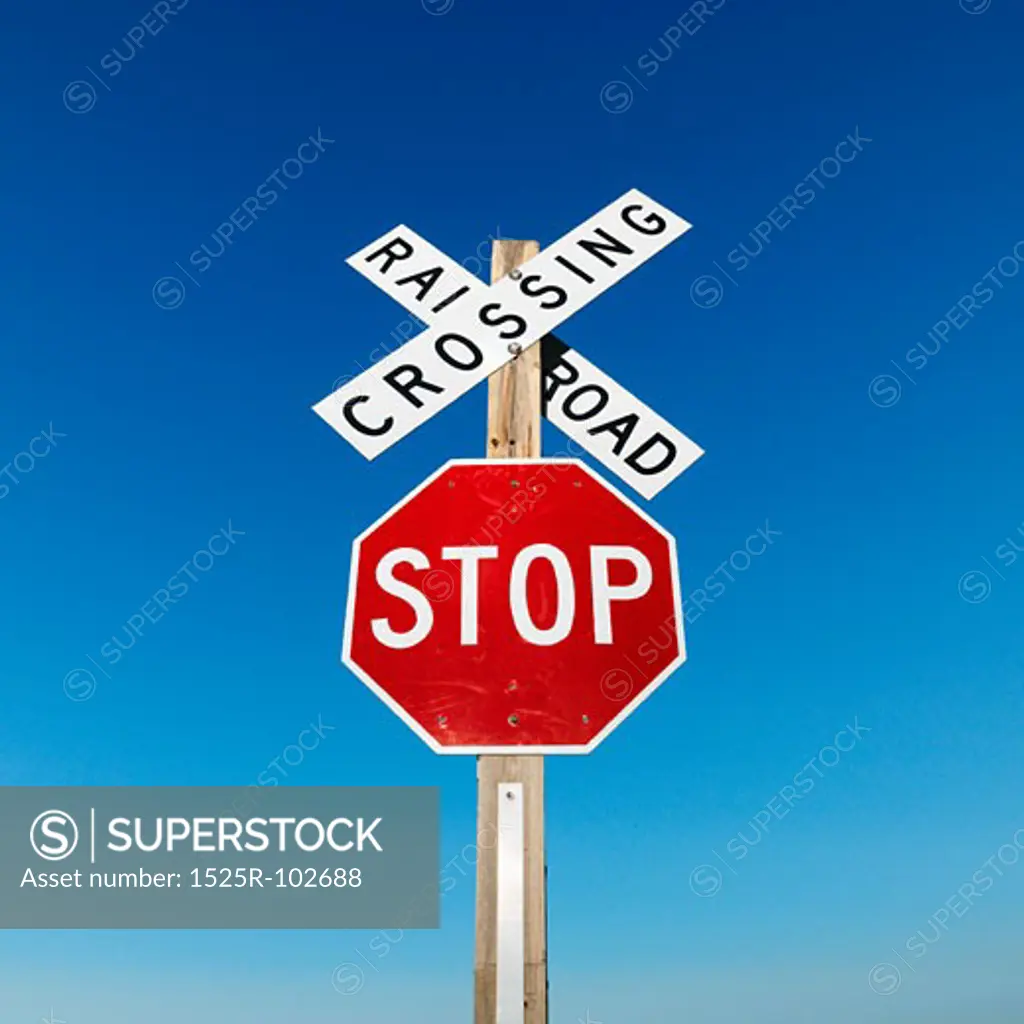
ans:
(520, 748)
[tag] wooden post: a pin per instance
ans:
(513, 431)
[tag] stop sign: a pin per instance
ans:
(513, 606)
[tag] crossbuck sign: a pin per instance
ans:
(474, 329)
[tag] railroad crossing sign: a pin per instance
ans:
(474, 329)
(514, 606)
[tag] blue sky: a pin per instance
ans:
(889, 603)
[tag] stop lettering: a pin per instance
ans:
(513, 606)
(468, 559)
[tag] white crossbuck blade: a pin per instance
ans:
(474, 329)
(630, 438)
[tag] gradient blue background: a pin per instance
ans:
(489, 116)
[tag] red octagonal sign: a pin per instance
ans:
(514, 606)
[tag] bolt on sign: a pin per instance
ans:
(502, 606)
(474, 329)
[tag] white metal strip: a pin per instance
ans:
(610, 422)
(511, 952)
(472, 339)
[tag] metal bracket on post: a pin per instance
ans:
(511, 904)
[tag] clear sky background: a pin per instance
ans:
(888, 477)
